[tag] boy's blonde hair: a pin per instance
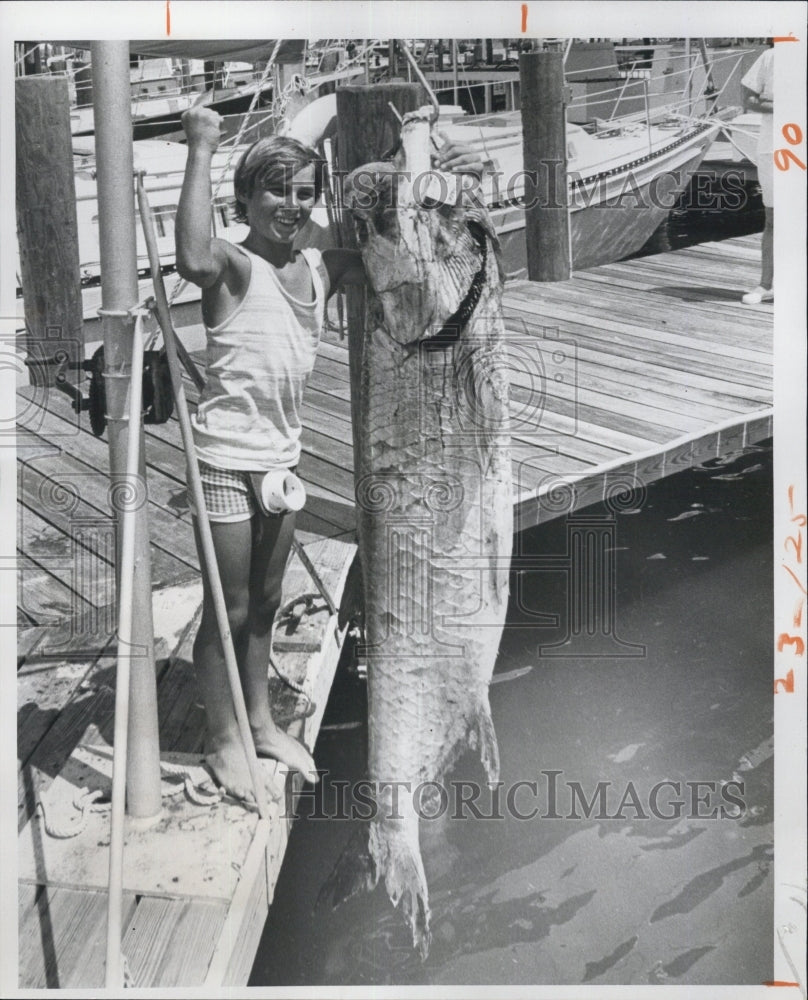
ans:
(273, 161)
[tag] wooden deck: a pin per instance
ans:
(622, 375)
(195, 914)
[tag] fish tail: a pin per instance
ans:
(486, 740)
(396, 852)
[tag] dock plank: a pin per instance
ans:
(191, 941)
(89, 711)
(169, 942)
(569, 305)
(82, 561)
(626, 344)
(63, 938)
(41, 696)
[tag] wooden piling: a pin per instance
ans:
(367, 128)
(541, 76)
(83, 81)
(47, 227)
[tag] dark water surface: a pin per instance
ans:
(702, 214)
(615, 898)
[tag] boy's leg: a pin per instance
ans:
(272, 540)
(224, 750)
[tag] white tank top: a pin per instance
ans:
(258, 362)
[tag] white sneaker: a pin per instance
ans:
(757, 295)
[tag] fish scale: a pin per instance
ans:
(434, 508)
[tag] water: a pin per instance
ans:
(602, 899)
(702, 214)
(615, 898)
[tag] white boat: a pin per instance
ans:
(623, 179)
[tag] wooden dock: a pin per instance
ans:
(622, 375)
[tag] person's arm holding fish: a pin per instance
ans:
(345, 266)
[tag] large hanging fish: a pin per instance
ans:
(434, 496)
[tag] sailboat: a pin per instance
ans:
(623, 178)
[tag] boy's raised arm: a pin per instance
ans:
(200, 258)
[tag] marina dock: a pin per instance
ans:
(622, 375)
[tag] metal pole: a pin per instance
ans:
(454, 71)
(119, 293)
(114, 973)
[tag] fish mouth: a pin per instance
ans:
(426, 262)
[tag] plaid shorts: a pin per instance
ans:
(227, 492)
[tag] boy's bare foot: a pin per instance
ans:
(273, 742)
(228, 763)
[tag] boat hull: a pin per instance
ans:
(612, 215)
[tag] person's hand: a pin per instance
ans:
(458, 158)
(203, 127)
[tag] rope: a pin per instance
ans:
(86, 802)
(297, 688)
(83, 802)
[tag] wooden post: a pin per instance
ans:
(119, 293)
(83, 82)
(47, 227)
(366, 129)
(32, 60)
(392, 58)
(541, 76)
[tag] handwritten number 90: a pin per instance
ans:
(792, 133)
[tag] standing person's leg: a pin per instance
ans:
(767, 250)
(765, 290)
(272, 540)
(765, 167)
(224, 751)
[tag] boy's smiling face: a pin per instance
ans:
(279, 212)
